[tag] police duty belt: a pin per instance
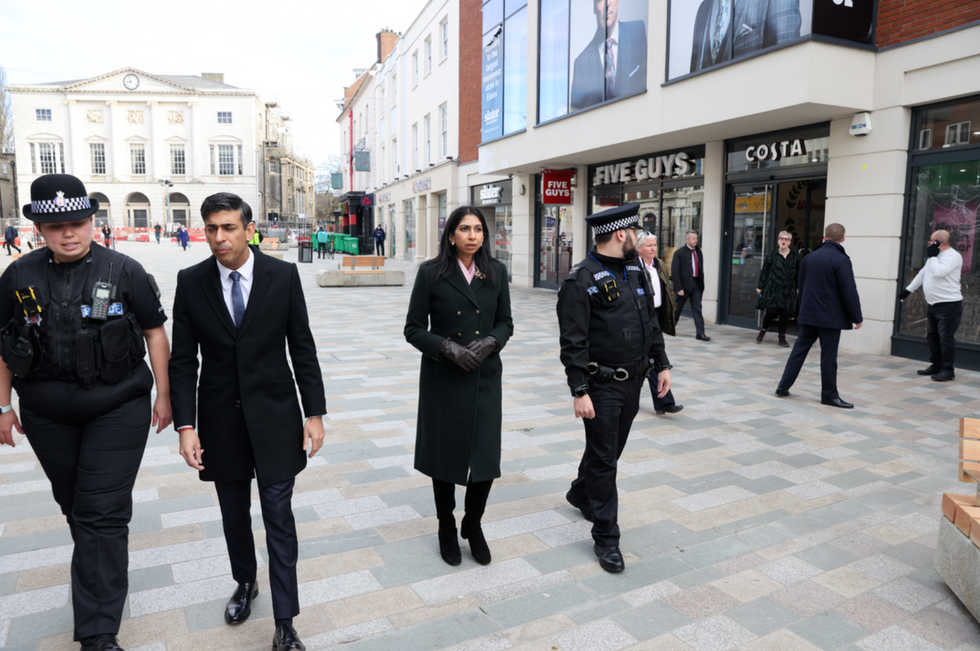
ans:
(606, 373)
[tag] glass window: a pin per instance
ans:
(240, 160)
(949, 126)
(511, 6)
(415, 147)
(428, 55)
(42, 115)
(503, 236)
(224, 117)
(137, 156)
(178, 162)
(493, 14)
(515, 72)
(226, 160)
(444, 28)
(97, 154)
(33, 160)
(442, 214)
(944, 197)
(409, 228)
(415, 68)
(444, 127)
(555, 244)
(428, 139)
(46, 153)
(553, 75)
(272, 167)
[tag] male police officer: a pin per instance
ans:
(610, 341)
(74, 318)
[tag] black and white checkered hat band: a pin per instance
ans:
(625, 222)
(68, 204)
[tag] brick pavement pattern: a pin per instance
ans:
(749, 521)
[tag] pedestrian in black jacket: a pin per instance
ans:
(687, 274)
(829, 303)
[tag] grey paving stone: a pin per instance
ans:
(8, 583)
(14, 544)
(416, 569)
(477, 579)
(913, 554)
(828, 630)
(561, 558)
(650, 620)
(149, 578)
(763, 616)
(637, 575)
(341, 542)
(29, 628)
(764, 485)
(888, 498)
(431, 635)
(380, 474)
(698, 577)
(896, 638)
(602, 635)
(881, 567)
(594, 611)
(908, 594)
(717, 633)
(157, 507)
(826, 557)
(210, 615)
(714, 551)
(789, 570)
(537, 605)
(350, 634)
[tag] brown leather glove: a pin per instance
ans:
(464, 358)
(483, 348)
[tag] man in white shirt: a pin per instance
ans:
(940, 282)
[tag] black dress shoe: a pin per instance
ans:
(478, 543)
(103, 642)
(449, 546)
(610, 558)
(837, 402)
(782, 393)
(240, 605)
(286, 639)
(932, 370)
(944, 376)
(703, 338)
(669, 409)
(584, 507)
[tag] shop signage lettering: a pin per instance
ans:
(384, 197)
(644, 169)
(492, 79)
(557, 188)
(422, 184)
(490, 194)
(775, 151)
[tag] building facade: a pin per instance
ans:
(143, 144)
(736, 128)
(9, 210)
(287, 179)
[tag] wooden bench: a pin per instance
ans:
(352, 263)
(958, 550)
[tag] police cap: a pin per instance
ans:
(59, 198)
(614, 219)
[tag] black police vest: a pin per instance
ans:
(619, 323)
(65, 344)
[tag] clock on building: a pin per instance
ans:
(131, 82)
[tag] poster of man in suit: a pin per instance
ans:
(610, 39)
(711, 32)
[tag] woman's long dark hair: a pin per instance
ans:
(447, 260)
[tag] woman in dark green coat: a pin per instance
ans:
(777, 287)
(459, 317)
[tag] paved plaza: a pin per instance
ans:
(749, 521)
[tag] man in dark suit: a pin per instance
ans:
(614, 63)
(720, 36)
(829, 303)
(240, 308)
(687, 273)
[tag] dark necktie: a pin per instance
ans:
(237, 300)
(694, 254)
(610, 68)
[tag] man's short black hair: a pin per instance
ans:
(226, 201)
(602, 238)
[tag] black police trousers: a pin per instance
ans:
(616, 405)
(90, 443)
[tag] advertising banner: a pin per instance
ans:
(493, 71)
(362, 161)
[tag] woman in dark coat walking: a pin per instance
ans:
(777, 291)
(459, 318)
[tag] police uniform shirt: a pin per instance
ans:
(134, 293)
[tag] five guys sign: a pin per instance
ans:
(557, 187)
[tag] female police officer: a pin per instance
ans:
(74, 319)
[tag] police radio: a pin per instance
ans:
(103, 293)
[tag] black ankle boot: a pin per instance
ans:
(478, 544)
(449, 546)
(761, 336)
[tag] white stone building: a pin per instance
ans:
(124, 132)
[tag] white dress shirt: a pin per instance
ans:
(940, 278)
(655, 283)
(246, 282)
(614, 35)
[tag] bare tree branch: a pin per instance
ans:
(6, 117)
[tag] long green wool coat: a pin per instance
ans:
(459, 414)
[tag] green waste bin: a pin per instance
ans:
(353, 245)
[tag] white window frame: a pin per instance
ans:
(415, 68)
(444, 119)
(225, 117)
(96, 152)
(415, 146)
(241, 161)
(925, 138)
(395, 167)
(957, 131)
(428, 55)
(444, 31)
(394, 90)
(428, 139)
(47, 154)
(42, 115)
(226, 160)
(178, 159)
(272, 167)
(137, 158)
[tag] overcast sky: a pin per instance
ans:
(299, 53)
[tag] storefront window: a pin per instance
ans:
(555, 244)
(441, 202)
(954, 125)
(503, 226)
(681, 210)
(504, 74)
(515, 71)
(392, 232)
(944, 196)
(409, 227)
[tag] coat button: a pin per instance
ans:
(459, 314)
(478, 311)
(459, 334)
(238, 403)
(477, 332)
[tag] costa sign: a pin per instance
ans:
(775, 151)
(557, 188)
(649, 168)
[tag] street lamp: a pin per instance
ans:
(167, 184)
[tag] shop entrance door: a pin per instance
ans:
(759, 213)
(554, 238)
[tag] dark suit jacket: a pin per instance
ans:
(589, 76)
(249, 416)
(459, 415)
(756, 25)
(828, 294)
(682, 271)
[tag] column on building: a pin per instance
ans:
(190, 157)
(712, 224)
(201, 164)
(580, 202)
(118, 162)
(159, 169)
(74, 157)
(421, 228)
(522, 230)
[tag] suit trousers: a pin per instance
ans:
(829, 340)
(381, 248)
(659, 403)
(695, 297)
(942, 321)
(281, 541)
(90, 449)
(616, 405)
